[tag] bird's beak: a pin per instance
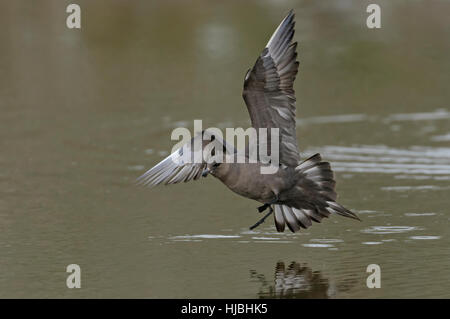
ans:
(205, 172)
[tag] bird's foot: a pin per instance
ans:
(259, 222)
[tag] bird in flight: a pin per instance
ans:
(300, 192)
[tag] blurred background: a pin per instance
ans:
(83, 112)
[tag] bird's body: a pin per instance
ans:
(263, 188)
(299, 191)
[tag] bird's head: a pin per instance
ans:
(215, 169)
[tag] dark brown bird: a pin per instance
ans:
(300, 191)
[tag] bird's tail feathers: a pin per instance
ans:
(319, 174)
(336, 208)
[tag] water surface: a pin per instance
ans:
(84, 112)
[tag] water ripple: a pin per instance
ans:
(424, 116)
(382, 230)
(317, 245)
(204, 236)
(409, 188)
(417, 162)
(419, 214)
(371, 243)
(425, 237)
(327, 241)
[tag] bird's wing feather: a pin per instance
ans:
(269, 93)
(184, 164)
(171, 170)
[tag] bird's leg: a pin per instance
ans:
(259, 222)
(265, 206)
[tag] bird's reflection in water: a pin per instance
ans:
(299, 281)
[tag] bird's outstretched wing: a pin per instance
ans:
(268, 90)
(185, 164)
